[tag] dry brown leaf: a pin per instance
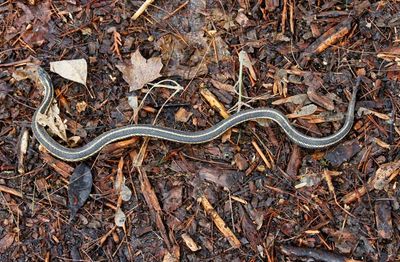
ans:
(243, 20)
(280, 82)
(321, 100)
(326, 116)
(304, 111)
(241, 162)
(365, 111)
(385, 173)
(300, 99)
(140, 71)
(222, 86)
(6, 242)
(74, 70)
(390, 54)
(188, 72)
(81, 106)
(182, 115)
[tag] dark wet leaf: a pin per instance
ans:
(317, 254)
(224, 178)
(249, 230)
(383, 218)
(173, 198)
(80, 185)
(343, 153)
(4, 90)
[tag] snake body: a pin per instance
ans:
(94, 146)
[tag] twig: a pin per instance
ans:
(259, 151)
(10, 191)
(18, 63)
(176, 10)
(142, 9)
(240, 80)
(219, 222)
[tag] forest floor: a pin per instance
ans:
(249, 195)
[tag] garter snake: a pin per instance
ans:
(91, 148)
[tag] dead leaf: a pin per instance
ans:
(214, 102)
(119, 218)
(188, 72)
(32, 23)
(365, 111)
(222, 86)
(245, 59)
(80, 185)
(383, 217)
(74, 70)
(140, 71)
(243, 20)
(6, 242)
(391, 54)
(385, 174)
(343, 152)
(300, 99)
(175, 52)
(120, 186)
(54, 122)
(172, 199)
(190, 242)
(393, 72)
(304, 111)
(280, 82)
(321, 100)
(241, 162)
(81, 106)
(183, 115)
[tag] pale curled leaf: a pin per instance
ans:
(134, 104)
(190, 243)
(245, 59)
(54, 122)
(126, 193)
(122, 189)
(140, 71)
(74, 70)
(119, 218)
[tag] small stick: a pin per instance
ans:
(10, 191)
(176, 10)
(142, 9)
(259, 151)
(219, 222)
